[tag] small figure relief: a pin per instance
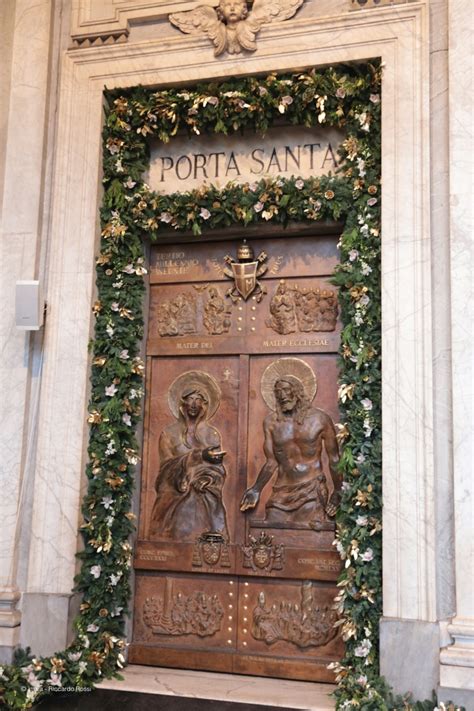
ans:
(246, 271)
(282, 310)
(216, 313)
(230, 26)
(307, 625)
(191, 476)
(262, 554)
(198, 613)
(178, 316)
(211, 549)
(304, 310)
(294, 436)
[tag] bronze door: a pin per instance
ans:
(235, 567)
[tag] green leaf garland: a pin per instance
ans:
(347, 97)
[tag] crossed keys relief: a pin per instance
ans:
(232, 26)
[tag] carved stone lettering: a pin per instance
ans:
(309, 624)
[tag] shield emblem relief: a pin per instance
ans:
(262, 557)
(245, 277)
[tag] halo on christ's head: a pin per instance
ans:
(290, 370)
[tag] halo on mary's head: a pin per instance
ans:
(291, 369)
(189, 382)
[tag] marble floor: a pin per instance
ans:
(225, 687)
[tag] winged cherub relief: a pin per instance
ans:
(231, 25)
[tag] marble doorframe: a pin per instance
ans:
(400, 36)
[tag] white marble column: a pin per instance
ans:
(24, 122)
(457, 660)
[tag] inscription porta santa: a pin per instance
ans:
(188, 163)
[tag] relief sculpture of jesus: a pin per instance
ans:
(295, 434)
(191, 476)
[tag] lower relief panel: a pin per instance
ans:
(286, 628)
(185, 621)
(264, 627)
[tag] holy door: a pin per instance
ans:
(235, 567)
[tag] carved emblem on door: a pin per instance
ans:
(246, 271)
(211, 549)
(308, 624)
(261, 554)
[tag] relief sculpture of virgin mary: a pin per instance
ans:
(191, 475)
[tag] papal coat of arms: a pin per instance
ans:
(262, 554)
(246, 271)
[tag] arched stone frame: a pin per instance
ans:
(399, 36)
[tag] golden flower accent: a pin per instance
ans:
(346, 391)
(99, 360)
(131, 516)
(84, 606)
(37, 664)
(126, 313)
(351, 145)
(121, 105)
(346, 351)
(329, 194)
(114, 482)
(357, 291)
(103, 612)
(138, 366)
(97, 307)
(97, 658)
(57, 665)
(343, 432)
(122, 468)
(372, 189)
(103, 258)
(94, 417)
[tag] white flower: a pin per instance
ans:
(267, 215)
(367, 427)
(353, 254)
(362, 680)
(253, 186)
(1, 672)
(368, 555)
(114, 578)
(366, 403)
(340, 548)
(361, 167)
(345, 486)
(93, 628)
(360, 458)
(82, 667)
(110, 448)
(110, 390)
(131, 458)
(364, 300)
(117, 284)
(123, 355)
(340, 92)
(204, 213)
(129, 183)
(363, 649)
(115, 306)
(96, 571)
(365, 269)
(285, 101)
(299, 184)
(116, 612)
(375, 98)
(213, 100)
(110, 331)
(129, 269)
(134, 394)
(54, 679)
(262, 91)
(258, 207)
(362, 520)
(372, 201)
(74, 656)
(322, 117)
(127, 420)
(118, 163)
(166, 217)
(364, 121)
(109, 520)
(358, 319)
(107, 501)
(34, 681)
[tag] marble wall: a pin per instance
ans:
(51, 109)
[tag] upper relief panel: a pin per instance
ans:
(110, 22)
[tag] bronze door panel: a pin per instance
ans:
(235, 563)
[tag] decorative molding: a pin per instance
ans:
(366, 4)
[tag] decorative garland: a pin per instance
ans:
(345, 97)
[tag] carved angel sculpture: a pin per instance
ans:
(231, 26)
